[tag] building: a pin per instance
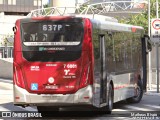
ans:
(11, 10)
(19, 7)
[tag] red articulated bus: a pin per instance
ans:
(72, 60)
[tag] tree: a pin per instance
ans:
(46, 6)
(7, 40)
(142, 18)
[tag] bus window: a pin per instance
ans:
(28, 37)
(110, 52)
(40, 37)
(67, 33)
(53, 40)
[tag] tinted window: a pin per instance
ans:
(52, 40)
(52, 34)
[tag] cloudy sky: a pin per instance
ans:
(45, 2)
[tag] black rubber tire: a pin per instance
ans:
(108, 109)
(138, 97)
(110, 100)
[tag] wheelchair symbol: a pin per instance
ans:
(34, 86)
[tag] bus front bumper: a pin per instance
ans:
(24, 98)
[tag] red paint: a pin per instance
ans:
(52, 18)
(134, 29)
(153, 24)
(17, 97)
(86, 97)
(37, 72)
(121, 86)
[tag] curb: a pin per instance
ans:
(152, 93)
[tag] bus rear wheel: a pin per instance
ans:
(110, 100)
(139, 93)
(108, 109)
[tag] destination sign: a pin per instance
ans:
(52, 27)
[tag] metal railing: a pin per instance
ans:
(97, 8)
(6, 52)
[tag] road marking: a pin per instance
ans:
(33, 109)
(153, 106)
(137, 108)
(119, 110)
(3, 109)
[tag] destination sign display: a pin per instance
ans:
(52, 27)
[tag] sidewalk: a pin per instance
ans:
(153, 90)
(6, 80)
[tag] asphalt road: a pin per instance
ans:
(148, 108)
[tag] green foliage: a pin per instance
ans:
(6, 42)
(46, 6)
(142, 18)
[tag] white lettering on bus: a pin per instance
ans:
(51, 27)
(66, 71)
(50, 43)
(70, 65)
(34, 68)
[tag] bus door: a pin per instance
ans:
(146, 47)
(103, 78)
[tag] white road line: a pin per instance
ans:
(30, 109)
(119, 110)
(137, 108)
(25, 109)
(153, 106)
(3, 109)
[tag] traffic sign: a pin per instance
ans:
(155, 30)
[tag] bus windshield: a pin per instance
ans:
(46, 41)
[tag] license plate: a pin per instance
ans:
(51, 87)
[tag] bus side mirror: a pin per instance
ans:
(14, 29)
(148, 43)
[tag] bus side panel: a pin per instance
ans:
(127, 59)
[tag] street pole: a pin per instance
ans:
(157, 54)
(42, 4)
(5, 49)
(149, 54)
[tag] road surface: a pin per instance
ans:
(148, 108)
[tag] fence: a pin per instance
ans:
(6, 52)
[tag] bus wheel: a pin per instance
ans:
(110, 100)
(139, 93)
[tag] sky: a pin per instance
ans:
(45, 2)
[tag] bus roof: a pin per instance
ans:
(115, 26)
(99, 21)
